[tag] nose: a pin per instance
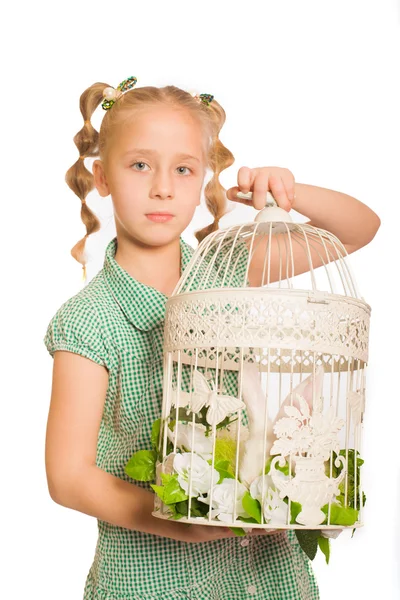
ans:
(162, 186)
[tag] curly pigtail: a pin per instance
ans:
(219, 158)
(78, 178)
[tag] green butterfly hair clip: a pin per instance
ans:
(111, 94)
(204, 98)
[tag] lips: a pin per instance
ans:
(159, 217)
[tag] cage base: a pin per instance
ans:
(243, 525)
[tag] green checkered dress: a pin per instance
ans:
(118, 322)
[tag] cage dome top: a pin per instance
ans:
(269, 282)
(272, 252)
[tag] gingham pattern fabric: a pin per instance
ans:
(118, 322)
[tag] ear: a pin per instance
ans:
(253, 397)
(309, 388)
(100, 180)
(251, 383)
(305, 389)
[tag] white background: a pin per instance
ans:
(307, 85)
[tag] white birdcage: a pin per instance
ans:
(264, 381)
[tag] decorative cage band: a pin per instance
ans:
(111, 94)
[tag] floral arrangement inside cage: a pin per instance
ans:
(264, 387)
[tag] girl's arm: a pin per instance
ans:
(347, 218)
(354, 223)
(77, 402)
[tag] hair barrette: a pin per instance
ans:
(204, 98)
(111, 94)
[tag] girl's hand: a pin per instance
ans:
(260, 180)
(265, 531)
(205, 533)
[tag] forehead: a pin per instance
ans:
(161, 129)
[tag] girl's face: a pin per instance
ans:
(154, 163)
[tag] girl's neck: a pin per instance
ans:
(156, 266)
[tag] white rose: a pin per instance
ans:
(223, 500)
(202, 445)
(200, 473)
(274, 509)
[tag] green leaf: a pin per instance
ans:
(252, 507)
(222, 464)
(238, 531)
(170, 492)
(159, 490)
(181, 508)
(155, 434)
(247, 519)
(308, 540)
(142, 465)
(224, 475)
(166, 477)
(173, 492)
(197, 509)
(324, 545)
(354, 463)
(341, 515)
(225, 452)
(295, 510)
(222, 467)
(175, 513)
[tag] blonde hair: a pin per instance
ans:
(92, 143)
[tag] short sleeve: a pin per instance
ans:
(76, 328)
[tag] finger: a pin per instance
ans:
(244, 184)
(260, 188)
(279, 192)
(289, 183)
(231, 195)
(221, 532)
(265, 531)
(244, 178)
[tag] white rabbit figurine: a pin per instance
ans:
(252, 457)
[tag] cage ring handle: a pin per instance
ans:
(270, 200)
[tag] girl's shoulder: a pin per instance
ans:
(78, 326)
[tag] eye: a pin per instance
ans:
(139, 163)
(184, 168)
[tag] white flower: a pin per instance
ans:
(302, 439)
(286, 426)
(200, 473)
(223, 500)
(331, 533)
(202, 445)
(326, 424)
(275, 509)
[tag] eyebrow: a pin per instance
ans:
(154, 152)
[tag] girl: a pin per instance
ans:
(154, 146)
